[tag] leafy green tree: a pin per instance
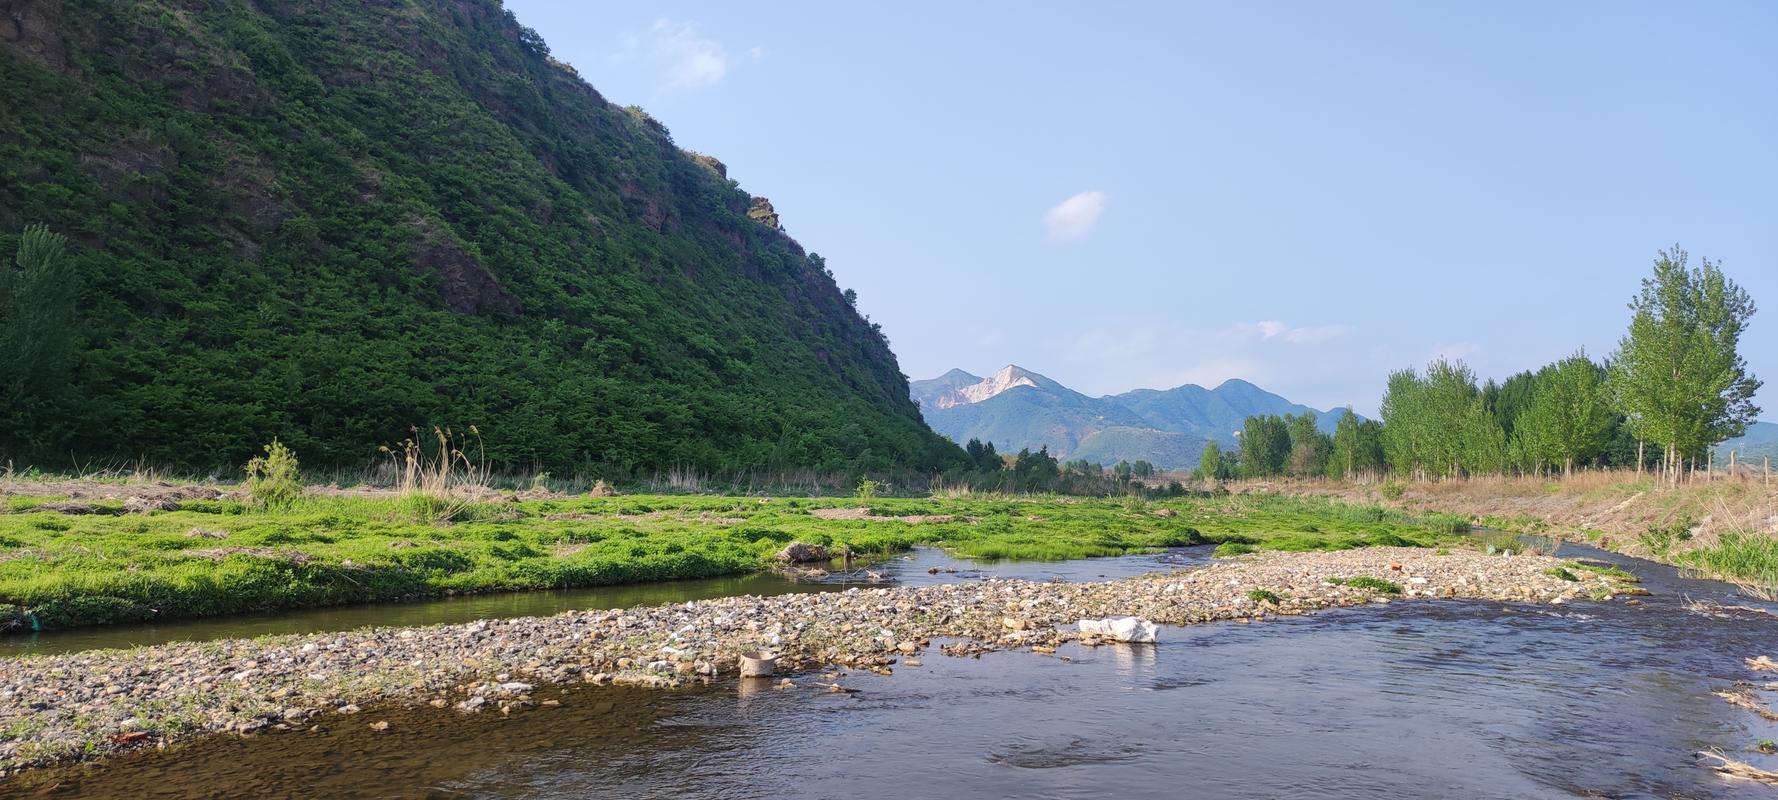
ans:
(1123, 471)
(1405, 437)
(1678, 376)
(1508, 399)
(1215, 465)
(983, 456)
(36, 334)
(1356, 447)
(1309, 447)
(1035, 470)
(1569, 418)
(1265, 446)
(1439, 425)
(1142, 469)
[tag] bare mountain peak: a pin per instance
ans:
(1011, 376)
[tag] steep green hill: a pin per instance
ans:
(328, 220)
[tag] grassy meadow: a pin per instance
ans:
(213, 557)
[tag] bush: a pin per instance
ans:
(272, 479)
(1234, 549)
(1264, 596)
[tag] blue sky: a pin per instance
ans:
(1305, 195)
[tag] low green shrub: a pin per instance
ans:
(1368, 582)
(272, 479)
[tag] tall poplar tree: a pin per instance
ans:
(1678, 376)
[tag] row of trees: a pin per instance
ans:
(1294, 445)
(1442, 424)
(1038, 470)
(1677, 381)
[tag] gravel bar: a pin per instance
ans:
(60, 707)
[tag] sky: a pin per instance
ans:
(1304, 195)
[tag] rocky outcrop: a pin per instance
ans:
(802, 553)
(30, 28)
(467, 286)
(762, 212)
(1010, 377)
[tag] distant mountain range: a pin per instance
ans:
(1760, 442)
(1016, 408)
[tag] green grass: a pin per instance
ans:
(1368, 582)
(217, 557)
(1562, 573)
(1743, 558)
(1264, 596)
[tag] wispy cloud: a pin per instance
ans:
(1284, 358)
(680, 52)
(1075, 217)
(1271, 329)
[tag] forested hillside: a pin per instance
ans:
(327, 221)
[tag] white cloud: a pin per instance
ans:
(1271, 329)
(1074, 218)
(1313, 364)
(756, 52)
(685, 57)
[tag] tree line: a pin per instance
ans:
(1040, 471)
(1675, 387)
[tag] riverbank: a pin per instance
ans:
(84, 553)
(55, 708)
(1726, 527)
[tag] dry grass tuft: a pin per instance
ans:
(1743, 697)
(442, 483)
(1738, 769)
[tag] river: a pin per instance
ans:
(1410, 699)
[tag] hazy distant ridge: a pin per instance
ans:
(1016, 408)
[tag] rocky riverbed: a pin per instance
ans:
(66, 706)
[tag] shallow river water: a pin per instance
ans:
(1409, 700)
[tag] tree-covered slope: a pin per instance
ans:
(1214, 413)
(329, 220)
